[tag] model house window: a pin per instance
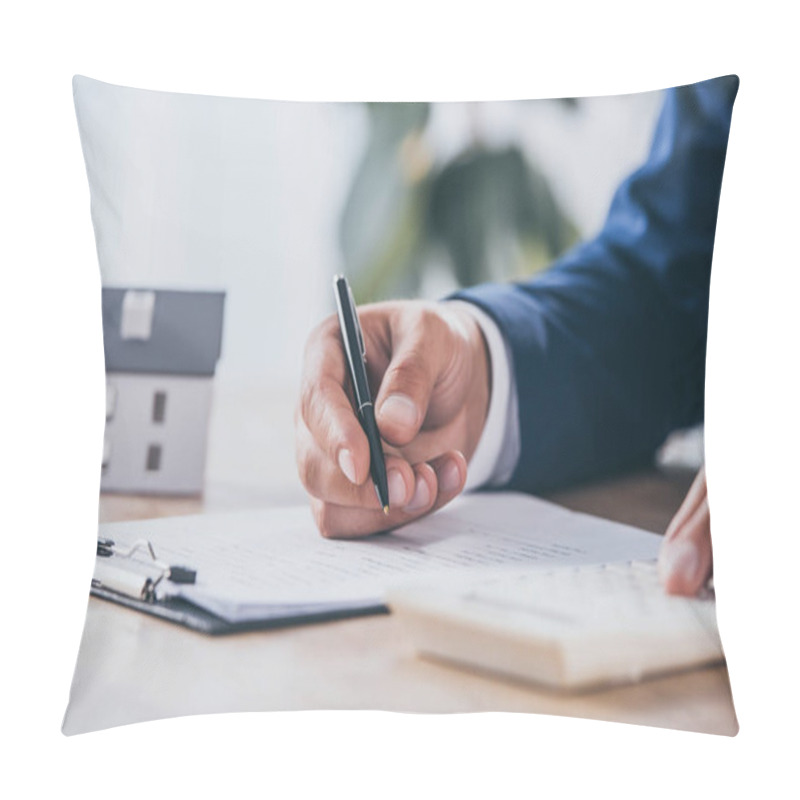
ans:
(159, 406)
(153, 458)
(111, 400)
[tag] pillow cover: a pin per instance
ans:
(579, 230)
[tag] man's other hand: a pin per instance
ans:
(684, 563)
(429, 375)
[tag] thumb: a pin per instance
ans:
(409, 380)
(685, 560)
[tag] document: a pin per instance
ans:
(254, 565)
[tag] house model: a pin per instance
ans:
(161, 351)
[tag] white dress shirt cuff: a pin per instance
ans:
(497, 453)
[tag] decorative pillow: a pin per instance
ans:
(580, 234)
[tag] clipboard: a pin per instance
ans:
(120, 578)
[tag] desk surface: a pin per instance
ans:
(133, 668)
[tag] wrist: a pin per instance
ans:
(478, 371)
(494, 459)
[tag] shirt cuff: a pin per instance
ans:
(497, 453)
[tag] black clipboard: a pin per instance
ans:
(182, 612)
(121, 579)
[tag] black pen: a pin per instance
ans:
(356, 355)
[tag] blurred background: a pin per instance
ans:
(268, 200)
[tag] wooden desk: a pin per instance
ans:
(133, 668)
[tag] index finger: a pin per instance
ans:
(325, 406)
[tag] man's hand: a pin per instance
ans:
(429, 376)
(684, 563)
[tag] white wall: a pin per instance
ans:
(194, 192)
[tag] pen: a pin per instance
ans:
(356, 354)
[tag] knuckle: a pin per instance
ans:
(428, 316)
(306, 402)
(329, 326)
(317, 513)
(322, 331)
(331, 433)
(313, 410)
(431, 321)
(320, 338)
(410, 373)
(324, 518)
(308, 471)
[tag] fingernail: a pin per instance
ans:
(448, 476)
(347, 465)
(681, 561)
(401, 409)
(422, 496)
(397, 487)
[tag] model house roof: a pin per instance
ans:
(163, 331)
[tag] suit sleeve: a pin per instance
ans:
(608, 346)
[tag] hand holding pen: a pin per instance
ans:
(353, 341)
(428, 368)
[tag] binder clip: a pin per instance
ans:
(129, 582)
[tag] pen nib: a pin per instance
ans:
(386, 510)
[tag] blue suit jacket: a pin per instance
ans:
(609, 345)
